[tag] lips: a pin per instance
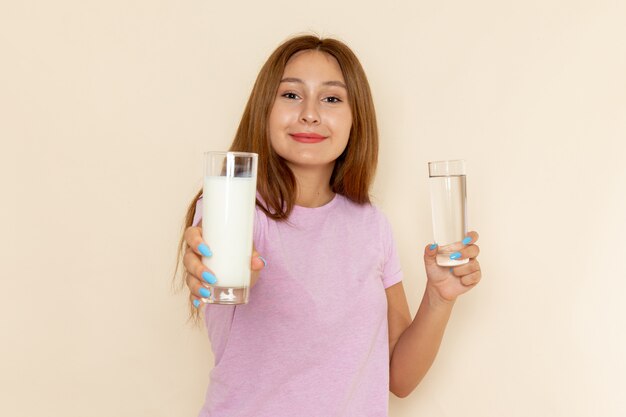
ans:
(307, 137)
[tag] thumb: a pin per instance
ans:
(430, 254)
(258, 262)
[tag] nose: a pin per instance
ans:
(310, 113)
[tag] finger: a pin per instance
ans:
(467, 252)
(193, 238)
(194, 266)
(470, 238)
(258, 262)
(197, 289)
(430, 254)
(471, 279)
(466, 269)
(195, 301)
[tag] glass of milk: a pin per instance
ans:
(229, 198)
(447, 197)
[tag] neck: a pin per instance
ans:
(313, 185)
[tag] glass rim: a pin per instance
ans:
(451, 161)
(236, 153)
(450, 168)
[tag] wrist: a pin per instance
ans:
(435, 299)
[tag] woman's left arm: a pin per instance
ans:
(413, 345)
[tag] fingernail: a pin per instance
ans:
(433, 246)
(455, 255)
(263, 260)
(205, 293)
(196, 303)
(209, 277)
(204, 250)
(467, 240)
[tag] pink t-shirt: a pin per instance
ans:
(313, 339)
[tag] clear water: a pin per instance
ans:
(448, 202)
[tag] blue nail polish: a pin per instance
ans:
(209, 277)
(263, 260)
(455, 255)
(196, 303)
(433, 246)
(204, 292)
(467, 240)
(204, 250)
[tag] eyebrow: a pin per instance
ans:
(298, 80)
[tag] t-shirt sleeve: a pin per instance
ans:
(197, 216)
(259, 230)
(392, 271)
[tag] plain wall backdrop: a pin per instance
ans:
(106, 108)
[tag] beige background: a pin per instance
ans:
(106, 107)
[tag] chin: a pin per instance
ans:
(310, 162)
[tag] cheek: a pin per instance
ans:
(277, 123)
(273, 125)
(279, 119)
(342, 125)
(280, 114)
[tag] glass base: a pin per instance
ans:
(444, 252)
(444, 260)
(227, 295)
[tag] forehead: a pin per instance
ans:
(313, 64)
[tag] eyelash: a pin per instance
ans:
(336, 99)
(329, 99)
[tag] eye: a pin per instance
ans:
(332, 99)
(291, 96)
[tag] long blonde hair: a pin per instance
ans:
(354, 169)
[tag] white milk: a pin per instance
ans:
(447, 196)
(227, 223)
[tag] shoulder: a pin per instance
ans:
(366, 208)
(261, 219)
(197, 216)
(367, 213)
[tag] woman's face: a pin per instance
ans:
(311, 118)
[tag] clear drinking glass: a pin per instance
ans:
(229, 197)
(448, 202)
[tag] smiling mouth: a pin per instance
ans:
(307, 137)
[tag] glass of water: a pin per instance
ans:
(449, 210)
(229, 197)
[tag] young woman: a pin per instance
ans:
(327, 330)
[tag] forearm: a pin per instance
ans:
(417, 348)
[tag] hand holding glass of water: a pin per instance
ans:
(449, 211)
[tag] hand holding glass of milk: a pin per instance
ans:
(229, 197)
(448, 200)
